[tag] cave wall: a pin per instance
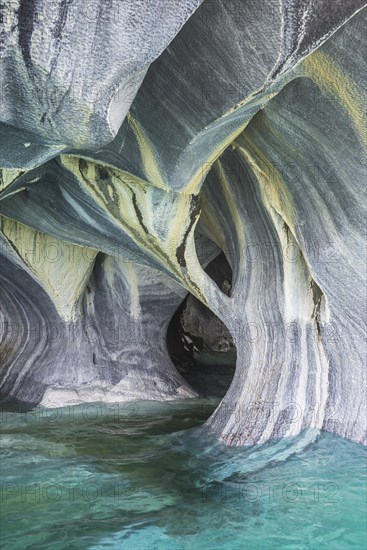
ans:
(248, 132)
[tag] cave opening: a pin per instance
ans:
(200, 345)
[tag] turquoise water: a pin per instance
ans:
(145, 476)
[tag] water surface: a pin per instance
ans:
(145, 476)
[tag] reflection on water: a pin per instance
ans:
(146, 476)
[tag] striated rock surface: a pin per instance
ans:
(70, 69)
(246, 136)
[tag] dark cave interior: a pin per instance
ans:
(199, 344)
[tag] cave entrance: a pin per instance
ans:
(199, 344)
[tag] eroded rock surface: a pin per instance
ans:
(247, 132)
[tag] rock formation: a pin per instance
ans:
(245, 137)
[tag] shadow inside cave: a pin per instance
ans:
(200, 345)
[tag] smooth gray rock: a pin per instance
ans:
(112, 349)
(248, 133)
(70, 70)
